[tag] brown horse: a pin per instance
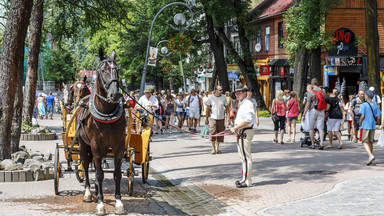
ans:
(80, 90)
(102, 130)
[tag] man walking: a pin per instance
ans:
(315, 106)
(50, 104)
(148, 101)
(355, 113)
(194, 103)
(369, 113)
(217, 103)
(245, 119)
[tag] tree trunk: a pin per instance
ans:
(11, 52)
(300, 74)
(33, 59)
(17, 113)
(213, 81)
(372, 38)
(218, 50)
(245, 67)
(314, 64)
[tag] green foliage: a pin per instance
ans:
(28, 127)
(180, 44)
(60, 65)
(264, 113)
(305, 22)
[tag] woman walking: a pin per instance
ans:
(159, 115)
(279, 107)
(293, 113)
(348, 116)
(180, 110)
(41, 106)
(170, 110)
(335, 116)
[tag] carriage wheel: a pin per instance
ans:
(130, 174)
(79, 173)
(145, 167)
(56, 170)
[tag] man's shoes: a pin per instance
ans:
(238, 182)
(370, 160)
(241, 185)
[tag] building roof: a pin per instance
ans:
(84, 72)
(269, 8)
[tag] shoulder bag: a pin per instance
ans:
(275, 117)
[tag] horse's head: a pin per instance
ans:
(108, 77)
(81, 89)
(68, 94)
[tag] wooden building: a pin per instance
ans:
(347, 59)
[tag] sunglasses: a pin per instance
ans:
(220, 89)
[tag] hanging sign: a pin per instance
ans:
(152, 56)
(343, 43)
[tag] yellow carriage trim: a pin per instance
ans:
(140, 142)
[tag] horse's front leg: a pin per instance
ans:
(85, 154)
(100, 209)
(119, 207)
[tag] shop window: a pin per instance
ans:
(280, 34)
(251, 44)
(258, 38)
(267, 36)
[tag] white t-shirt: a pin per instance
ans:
(180, 105)
(144, 102)
(194, 103)
(376, 99)
(254, 102)
(346, 107)
(246, 112)
(217, 105)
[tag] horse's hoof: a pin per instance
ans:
(94, 198)
(119, 208)
(87, 198)
(100, 210)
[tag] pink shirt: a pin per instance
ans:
(280, 108)
(293, 111)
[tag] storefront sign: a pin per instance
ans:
(233, 76)
(265, 70)
(258, 47)
(343, 43)
(343, 61)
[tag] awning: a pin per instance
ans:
(279, 62)
(260, 62)
(265, 78)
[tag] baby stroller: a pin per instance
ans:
(307, 139)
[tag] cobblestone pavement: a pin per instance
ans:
(356, 197)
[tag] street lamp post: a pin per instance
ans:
(150, 35)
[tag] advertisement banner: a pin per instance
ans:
(152, 56)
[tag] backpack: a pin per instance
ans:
(319, 102)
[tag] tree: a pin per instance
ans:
(33, 58)
(222, 12)
(61, 65)
(305, 37)
(372, 38)
(11, 60)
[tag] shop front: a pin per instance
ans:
(343, 67)
(281, 76)
(263, 78)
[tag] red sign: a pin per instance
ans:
(282, 71)
(265, 70)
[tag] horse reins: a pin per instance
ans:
(114, 78)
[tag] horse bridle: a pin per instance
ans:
(114, 78)
(72, 93)
(77, 91)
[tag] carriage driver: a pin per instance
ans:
(245, 119)
(148, 101)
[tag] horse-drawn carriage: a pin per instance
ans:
(91, 137)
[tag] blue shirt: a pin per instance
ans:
(369, 121)
(50, 100)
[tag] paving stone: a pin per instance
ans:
(2, 176)
(7, 176)
(15, 176)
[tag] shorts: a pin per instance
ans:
(356, 120)
(216, 126)
(180, 114)
(350, 124)
(316, 117)
(50, 109)
(194, 114)
(159, 116)
(292, 118)
(168, 112)
(333, 124)
(368, 135)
